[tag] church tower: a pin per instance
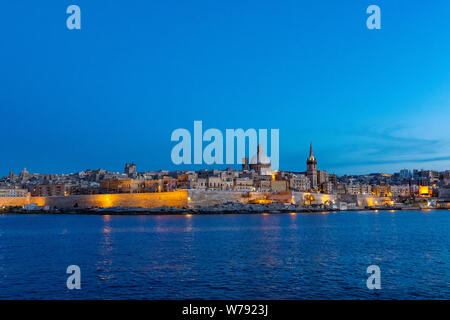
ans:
(311, 168)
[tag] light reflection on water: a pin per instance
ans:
(104, 264)
(267, 256)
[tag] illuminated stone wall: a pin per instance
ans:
(365, 200)
(184, 198)
(370, 201)
(143, 200)
(307, 198)
(202, 198)
(177, 199)
(14, 201)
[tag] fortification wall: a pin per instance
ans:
(143, 200)
(182, 198)
(364, 200)
(202, 198)
(370, 201)
(14, 201)
(308, 198)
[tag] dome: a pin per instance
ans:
(260, 157)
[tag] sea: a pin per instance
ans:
(227, 256)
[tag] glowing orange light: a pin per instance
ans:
(423, 191)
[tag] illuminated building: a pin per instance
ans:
(50, 190)
(424, 191)
(260, 163)
(382, 191)
(311, 168)
(164, 184)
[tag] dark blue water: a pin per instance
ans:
(276, 256)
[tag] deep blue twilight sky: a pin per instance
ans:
(113, 92)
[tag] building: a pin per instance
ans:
(13, 192)
(340, 188)
(322, 177)
(245, 165)
(446, 177)
(299, 183)
(243, 184)
(122, 186)
(279, 185)
(217, 183)
(353, 189)
(405, 173)
(262, 185)
(425, 191)
(260, 163)
(444, 197)
(382, 191)
(50, 190)
(328, 187)
(200, 183)
(186, 181)
(165, 184)
(24, 174)
(400, 191)
(333, 178)
(311, 168)
(130, 170)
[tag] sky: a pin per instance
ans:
(114, 91)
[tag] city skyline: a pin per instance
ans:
(256, 175)
(114, 91)
(204, 167)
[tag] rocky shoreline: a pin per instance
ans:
(227, 208)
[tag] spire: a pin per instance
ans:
(311, 153)
(258, 153)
